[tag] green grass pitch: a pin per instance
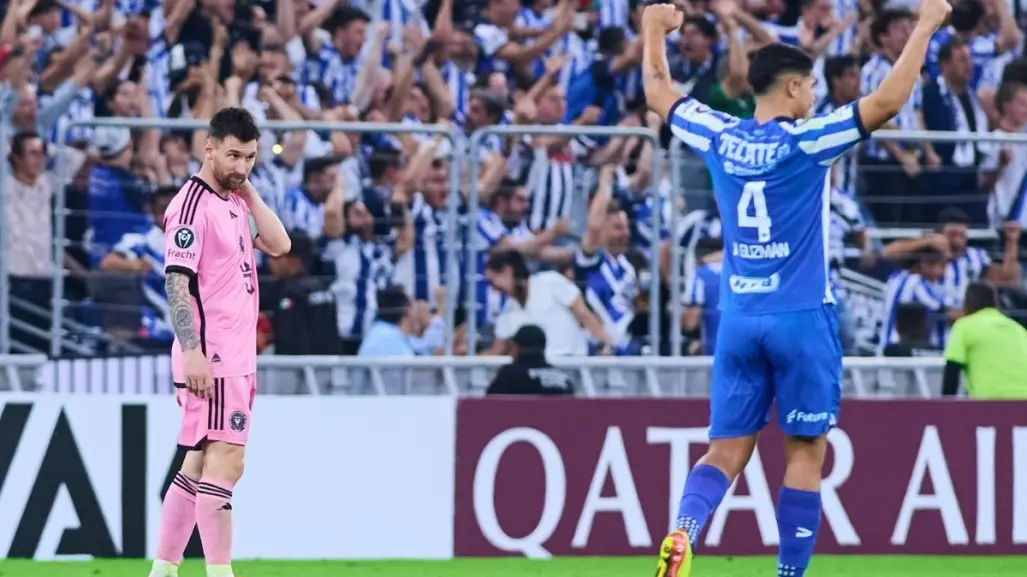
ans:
(563, 567)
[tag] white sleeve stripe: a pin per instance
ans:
(693, 140)
(829, 141)
(693, 112)
(839, 115)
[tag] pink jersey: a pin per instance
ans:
(208, 238)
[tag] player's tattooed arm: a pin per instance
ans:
(657, 20)
(176, 284)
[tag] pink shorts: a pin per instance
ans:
(225, 416)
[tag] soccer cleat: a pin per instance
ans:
(675, 556)
(163, 569)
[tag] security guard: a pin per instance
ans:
(529, 373)
(988, 347)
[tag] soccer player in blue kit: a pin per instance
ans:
(778, 339)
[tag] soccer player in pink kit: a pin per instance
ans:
(211, 229)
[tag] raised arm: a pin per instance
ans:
(657, 21)
(883, 104)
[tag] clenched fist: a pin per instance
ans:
(934, 12)
(666, 17)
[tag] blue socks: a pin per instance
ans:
(704, 489)
(798, 518)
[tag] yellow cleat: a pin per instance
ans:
(675, 556)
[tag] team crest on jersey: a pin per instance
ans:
(184, 238)
(237, 421)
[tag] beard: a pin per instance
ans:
(229, 181)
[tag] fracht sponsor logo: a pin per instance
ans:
(603, 477)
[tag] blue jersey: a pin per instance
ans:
(703, 291)
(771, 184)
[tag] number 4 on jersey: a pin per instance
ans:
(752, 194)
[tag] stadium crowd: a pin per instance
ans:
(565, 231)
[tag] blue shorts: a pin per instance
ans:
(794, 358)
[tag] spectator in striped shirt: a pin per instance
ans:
(499, 52)
(919, 282)
(303, 207)
(502, 226)
(841, 74)
(338, 64)
(140, 255)
(360, 266)
(968, 264)
(702, 297)
(892, 167)
(602, 267)
(423, 265)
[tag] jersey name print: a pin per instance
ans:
(208, 238)
(771, 184)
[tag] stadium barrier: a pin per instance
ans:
(492, 477)
(617, 377)
(5, 279)
(60, 328)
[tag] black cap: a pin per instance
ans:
(531, 339)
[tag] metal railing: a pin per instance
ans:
(59, 303)
(60, 224)
(5, 278)
(465, 376)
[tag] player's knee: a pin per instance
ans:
(223, 461)
(730, 455)
(192, 465)
(805, 457)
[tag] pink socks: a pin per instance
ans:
(214, 518)
(178, 517)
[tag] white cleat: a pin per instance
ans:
(163, 569)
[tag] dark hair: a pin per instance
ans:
(947, 49)
(838, 66)
(344, 16)
(1016, 71)
(708, 245)
(911, 320)
(499, 259)
(233, 121)
(966, 15)
(925, 255)
(494, 106)
(41, 7)
(980, 295)
(393, 303)
(302, 247)
(383, 159)
(318, 165)
(773, 61)
(879, 27)
(611, 40)
(706, 28)
(505, 190)
(19, 140)
(952, 215)
(1007, 91)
